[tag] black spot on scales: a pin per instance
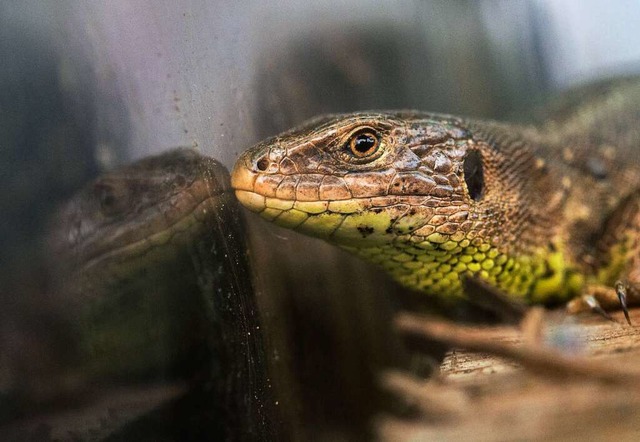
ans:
(365, 230)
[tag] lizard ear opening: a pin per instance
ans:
(473, 174)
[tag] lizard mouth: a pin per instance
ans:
(243, 180)
(148, 241)
(293, 195)
(251, 200)
(288, 206)
(348, 209)
(325, 219)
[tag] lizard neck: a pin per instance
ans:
(541, 275)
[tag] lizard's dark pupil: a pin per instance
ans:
(363, 144)
(105, 196)
(108, 200)
(111, 199)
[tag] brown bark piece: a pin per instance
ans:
(505, 387)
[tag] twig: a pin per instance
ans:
(538, 359)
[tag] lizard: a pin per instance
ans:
(145, 268)
(544, 212)
(115, 249)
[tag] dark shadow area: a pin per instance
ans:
(47, 139)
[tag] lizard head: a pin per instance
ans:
(428, 197)
(121, 221)
(369, 179)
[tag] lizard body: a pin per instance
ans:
(540, 211)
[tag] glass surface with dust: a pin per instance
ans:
(137, 300)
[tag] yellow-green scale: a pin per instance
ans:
(434, 264)
(619, 257)
(435, 268)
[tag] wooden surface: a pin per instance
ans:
(561, 379)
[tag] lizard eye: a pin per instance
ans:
(363, 143)
(111, 199)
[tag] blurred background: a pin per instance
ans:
(88, 86)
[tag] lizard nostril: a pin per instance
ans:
(262, 164)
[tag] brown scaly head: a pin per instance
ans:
(428, 197)
(123, 222)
